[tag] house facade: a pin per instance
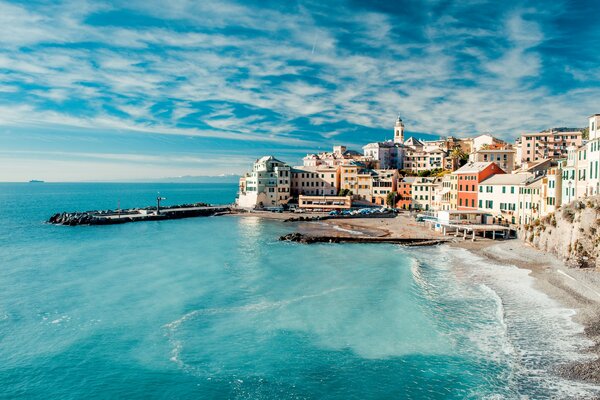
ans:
(468, 178)
(267, 185)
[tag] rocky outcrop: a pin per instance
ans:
(309, 239)
(572, 233)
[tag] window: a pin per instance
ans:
(503, 189)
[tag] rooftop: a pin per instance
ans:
(506, 179)
(473, 167)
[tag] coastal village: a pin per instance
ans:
(481, 179)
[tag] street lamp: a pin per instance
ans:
(158, 199)
(569, 185)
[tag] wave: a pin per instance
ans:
(519, 326)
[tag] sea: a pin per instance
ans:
(218, 308)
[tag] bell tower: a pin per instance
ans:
(399, 131)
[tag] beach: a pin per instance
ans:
(577, 289)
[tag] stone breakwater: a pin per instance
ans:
(113, 217)
(309, 239)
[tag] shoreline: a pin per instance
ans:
(577, 289)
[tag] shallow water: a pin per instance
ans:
(218, 308)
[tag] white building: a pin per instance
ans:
(339, 156)
(485, 140)
(530, 201)
(268, 185)
(499, 195)
(593, 156)
(505, 158)
(388, 154)
(424, 193)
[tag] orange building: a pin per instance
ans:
(469, 177)
(404, 199)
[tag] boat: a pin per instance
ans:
(35, 181)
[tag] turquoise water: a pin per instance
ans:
(217, 308)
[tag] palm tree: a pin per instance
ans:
(459, 157)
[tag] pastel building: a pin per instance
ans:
(267, 185)
(422, 155)
(424, 191)
(445, 200)
(551, 190)
(469, 176)
(339, 156)
(593, 155)
(499, 196)
(504, 157)
(404, 198)
(383, 182)
(356, 178)
(550, 144)
(530, 201)
(320, 181)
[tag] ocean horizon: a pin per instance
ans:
(217, 307)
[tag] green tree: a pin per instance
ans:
(459, 156)
(586, 133)
(391, 199)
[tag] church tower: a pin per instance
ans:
(399, 131)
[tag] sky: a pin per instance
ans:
(152, 89)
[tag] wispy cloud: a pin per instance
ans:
(307, 74)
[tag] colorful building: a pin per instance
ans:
(424, 191)
(468, 178)
(404, 198)
(553, 144)
(322, 180)
(383, 182)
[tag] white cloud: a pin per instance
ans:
(334, 83)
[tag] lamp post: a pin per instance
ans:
(569, 188)
(158, 199)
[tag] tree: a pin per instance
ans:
(459, 156)
(391, 199)
(585, 133)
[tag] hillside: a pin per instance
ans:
(572, 233)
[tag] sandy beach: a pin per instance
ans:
(578, 289)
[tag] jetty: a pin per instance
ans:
(310, 239)
(113, 217)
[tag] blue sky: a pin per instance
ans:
(144, 89)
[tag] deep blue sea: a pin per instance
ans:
(217, 308)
